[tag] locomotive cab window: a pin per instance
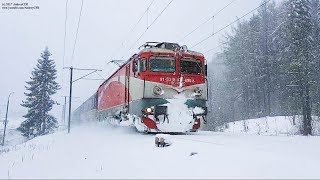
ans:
(190, 66)
(142, 65)
(162, 64)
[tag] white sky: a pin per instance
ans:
(104, 25)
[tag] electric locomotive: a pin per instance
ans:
(161, 80)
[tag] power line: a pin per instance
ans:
(132, 29)
(150, 25)
(200, 42)
(207, 20)
(75, 41)
(108, 72)
(65, 33)
(223, 43)
(64, 40)
(84, 75)
(93, 79)
(220, 45)
(141, 17)
(224, 8)
(100, 75)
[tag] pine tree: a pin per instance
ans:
(315, 16)
(300, 31)
(38, 101)
(272, 65)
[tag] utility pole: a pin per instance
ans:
(71, 82)
(70, 95)
(64, 110)
(6, 119)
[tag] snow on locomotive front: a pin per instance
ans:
(163, 88)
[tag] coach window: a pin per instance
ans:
(162, 64)
(142, 65)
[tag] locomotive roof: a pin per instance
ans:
(164, 50)
(166, 47)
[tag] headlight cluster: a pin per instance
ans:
(149, 110)
(197, 91)
(157, 90)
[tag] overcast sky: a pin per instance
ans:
(103, 28)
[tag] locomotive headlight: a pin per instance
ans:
(157, 90)
(149, 110)
(197, 91)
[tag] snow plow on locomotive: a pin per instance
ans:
(163, 88)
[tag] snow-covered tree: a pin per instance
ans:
(272, 65)
(38, 101)
(315, 16)
(300, 32)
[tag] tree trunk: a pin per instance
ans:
(307, 127)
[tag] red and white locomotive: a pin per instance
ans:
(163, 88)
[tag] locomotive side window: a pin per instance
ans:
(135, 66)
(190, 66)
(162, 64)
(142, 65)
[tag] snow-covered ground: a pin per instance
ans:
(13, 137)
(99, 151)
(278, 125)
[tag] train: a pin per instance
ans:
(162, 88)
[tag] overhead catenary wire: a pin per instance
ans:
(200, 42)
(64, 40)
(132, 29)
(100, 75)
(220, 45)
(150, 25)
(224, 43)
(78, 25)
(93, 79)
(65, 33)
(111, 71)
(207, 20)
(85, 75)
